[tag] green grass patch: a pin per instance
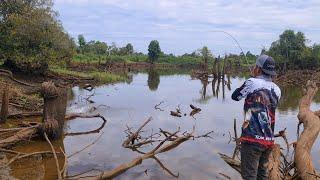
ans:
(102, 77)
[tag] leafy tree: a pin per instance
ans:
(154, 51)
(31, 36)
(129, 49)
(81, 42)
(251, 57)
(113, 50)
(289, 48)
(100, 48)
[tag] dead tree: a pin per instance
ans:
(54, 109)
(311, 123)
(5, 105)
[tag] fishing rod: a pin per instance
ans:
(234, 39)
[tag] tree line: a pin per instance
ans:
(32, 38)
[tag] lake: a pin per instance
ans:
(131, 103)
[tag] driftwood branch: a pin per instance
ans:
(130, 141)
(72, 116)
(195, 110)
(157, 106)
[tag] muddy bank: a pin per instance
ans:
(123, 66)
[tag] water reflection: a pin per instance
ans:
(131, 103)
(153, 79)
(290, 97)
(218, 83)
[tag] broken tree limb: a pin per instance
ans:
(311, 123)
(235, 164)
(157, 150)
(195, 110)
(171, 141)
(131, 139)
(176, 114)
(282, 134)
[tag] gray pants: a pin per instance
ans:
(254, 162)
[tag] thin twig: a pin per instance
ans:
(157, 106)
(87, 146)
(54, 155)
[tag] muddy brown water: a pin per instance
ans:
(132, 102)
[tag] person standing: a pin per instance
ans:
(261, 100)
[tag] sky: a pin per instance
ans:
(183, 26)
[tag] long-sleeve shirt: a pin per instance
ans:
(261, 99)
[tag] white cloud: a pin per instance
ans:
(253, 23)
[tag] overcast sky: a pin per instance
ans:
(183, 26)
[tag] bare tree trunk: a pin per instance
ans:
(311, 123)
(54, 109)
(5, 105)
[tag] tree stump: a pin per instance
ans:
(54, 109)
(5, 105)
(311, 124)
